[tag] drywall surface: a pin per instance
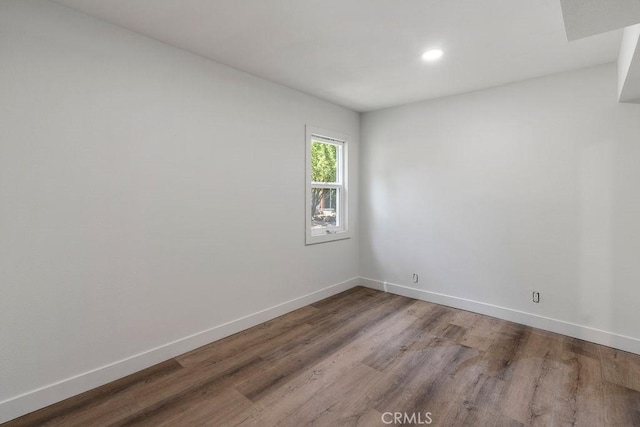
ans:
(146, 194)
(629, 65)
(491, 195)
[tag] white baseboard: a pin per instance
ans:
(609, 339)
(52, 393)
(373, 284)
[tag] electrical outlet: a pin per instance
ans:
(414, 279)
(536, 297)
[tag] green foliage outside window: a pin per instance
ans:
(323, 162)
(324, 168)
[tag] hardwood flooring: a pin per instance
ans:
(351, 358)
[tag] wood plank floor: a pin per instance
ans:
(351, 358)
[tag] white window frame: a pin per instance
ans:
(341, 231)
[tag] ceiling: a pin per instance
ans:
(365, 54)
(584, 18)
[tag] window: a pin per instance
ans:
(326, 186)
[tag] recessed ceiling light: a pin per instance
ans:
(432, 55)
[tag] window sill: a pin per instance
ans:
(313, 239)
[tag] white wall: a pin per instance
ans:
(629, 65)
(492, 194)
(146, 194)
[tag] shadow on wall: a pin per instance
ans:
(596, 249)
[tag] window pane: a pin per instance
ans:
(324, 208)
(324, 162)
